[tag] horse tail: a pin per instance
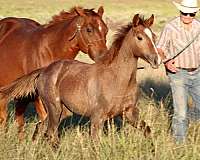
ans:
(21, 87)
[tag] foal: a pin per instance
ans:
(100, 91)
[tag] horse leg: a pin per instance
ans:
(42, 116)
(97, 122)
(54, 111)
(65, 113)
(3, 112)
(132, 114)
(19, 115)
(40, 109)
(40, 125)
(52, 128)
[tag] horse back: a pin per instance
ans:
(9, 24)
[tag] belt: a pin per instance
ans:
(188, 69)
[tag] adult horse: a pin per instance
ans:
(100, 91)
(26, 45)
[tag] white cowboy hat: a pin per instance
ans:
(187, 6)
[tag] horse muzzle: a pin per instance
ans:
(97, 54)
(154, 60)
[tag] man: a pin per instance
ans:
(183, 69)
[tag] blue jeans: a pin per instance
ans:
(183, 85)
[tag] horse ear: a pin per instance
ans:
(136, 20)
(80, 11)
(149, 22)
(100, 11)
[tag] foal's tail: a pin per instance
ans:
(21, 87)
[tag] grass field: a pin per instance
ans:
(128, 143)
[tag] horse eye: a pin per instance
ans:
(89, 30)
(139, 38)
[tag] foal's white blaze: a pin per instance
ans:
(149, 34)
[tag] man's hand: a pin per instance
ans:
(171, 66)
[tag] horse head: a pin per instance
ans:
(144, 40)
(91, 32)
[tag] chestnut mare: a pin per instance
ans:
(100, 91)
(26, 45)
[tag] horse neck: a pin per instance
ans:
(125, 63)
(55, 39)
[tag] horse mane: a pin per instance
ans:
(68, 15)
(86, 11)
(118, 40)
(117, 43)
